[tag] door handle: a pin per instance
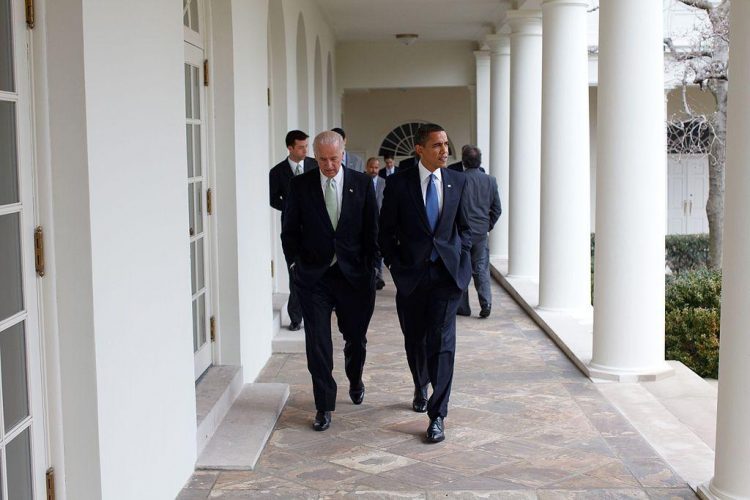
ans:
(684, 207)
(691, 208)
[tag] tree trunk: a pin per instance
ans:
(716, 163)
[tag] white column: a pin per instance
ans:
(629, 275)
(525, 142)
(731, 479)
(482, 58)
(565, 255)
(499, 157)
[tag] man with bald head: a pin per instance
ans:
(329, 236)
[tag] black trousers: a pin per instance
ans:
(354, 307)
(428, 322)
(293, 306)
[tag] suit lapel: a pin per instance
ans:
(347, 197)
(319, 201)
(450, 197)
(415, 188)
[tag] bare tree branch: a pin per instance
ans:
(698, 4)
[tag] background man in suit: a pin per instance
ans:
(372, 168)
(459, 165)
(429, 258)
(329, 237)
(279, 178)
(350, 160)
(390, 166)
(481, 205)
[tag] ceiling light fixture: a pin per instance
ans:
(407, 38)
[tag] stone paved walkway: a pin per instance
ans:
(523, 423)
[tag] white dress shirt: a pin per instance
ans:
(424, 178)
(339, 178)
(389, 171)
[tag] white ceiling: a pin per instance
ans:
(380, 20)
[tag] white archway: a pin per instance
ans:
(303, 101)
(277, 62)
(329, 93)
(319, 118)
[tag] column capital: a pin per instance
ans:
(482, 57)
(498, 43)
(572, 3)
(525, 22)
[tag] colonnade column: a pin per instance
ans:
(565, 260)
(499, 158)
(525, 142)
(482, 58)
(731, 479)
(630, 193)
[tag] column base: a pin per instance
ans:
(650, 374)
(499, 256)
(707, 491)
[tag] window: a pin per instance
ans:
(689, 137)
(400, 141)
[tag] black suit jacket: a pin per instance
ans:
(382, 173)
(408, 163)
(309, 240)
(279, 178)
(406, 240)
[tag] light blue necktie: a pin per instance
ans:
(433, 210)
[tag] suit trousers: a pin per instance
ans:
(293, 307)
(480, 272)
(428, 322)
(354, 307)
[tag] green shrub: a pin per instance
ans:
(685, 252)
(692, 337)
(693, 313)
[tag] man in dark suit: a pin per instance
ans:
(390, 166)
(372, 168)
(350, 160)
(459, 165)
(279, 178)
(428, 255)
(482, 208)
(329, 237)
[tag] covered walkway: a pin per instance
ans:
(523, 423)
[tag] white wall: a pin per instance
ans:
(372, 65)
(370, 115)
(241, 153)
(117, 151)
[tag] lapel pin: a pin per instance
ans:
(351, 190)
(449, 185)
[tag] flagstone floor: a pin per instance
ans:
(523, 423)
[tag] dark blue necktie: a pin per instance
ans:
(433, 210)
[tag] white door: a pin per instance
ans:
(687, 194)
(197, 188)
(22, 436)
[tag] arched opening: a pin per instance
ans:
(319, 118)
(277, 62)
(303, 112)
(329, 93)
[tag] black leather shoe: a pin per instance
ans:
(357, 394)
(485, 312)
(463, 313)
(322, 420)
(294, 326)
(419, 404)
(379, 284)
(436, 430)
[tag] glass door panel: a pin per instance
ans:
(197, 216)
(22, 440)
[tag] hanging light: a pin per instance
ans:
(407, 38)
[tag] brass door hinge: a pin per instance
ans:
(30, 14)
(50, 484)
(268, 93)
(205, 72)
(212, 322)
(209, 202)
(272, 269)
(39, 250)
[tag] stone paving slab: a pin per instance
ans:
(523, 423)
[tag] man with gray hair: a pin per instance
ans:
(482, 209)
(329, 236)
